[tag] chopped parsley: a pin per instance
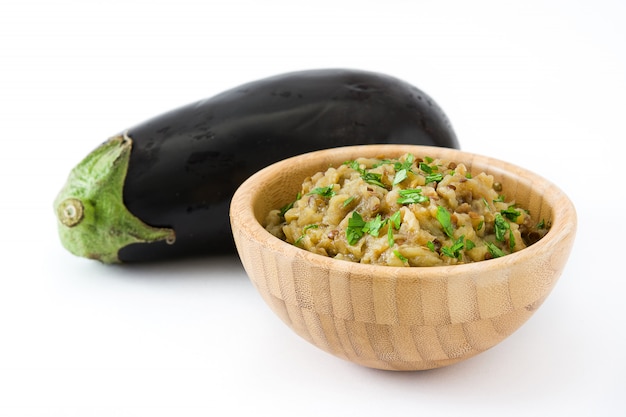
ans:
(394, 222)
(495, 251)
(431, 171)
(325, 192)
(304, 229)
(427, 169)
(443, 216)
(396, 219)
(511, 213)
(400, 256)
(454, 251)
(412, 196)
(368, 177)
(400, 176)
(348, 201)
(408, 162)
(403, 169)
(357, 227)
(501, 226)
(354, 231)
(373, 226)
(374, 179)
(434, 177)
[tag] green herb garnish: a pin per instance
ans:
(511, 213)
(427, 168)
(374, 179)
(400, 176)
(412, 196)
(408, 161)
(390, 239)
(396, 219)
(501, 226)
(368, 177)
(435, 177)
(454, 251)
(430, 245)
(495, 251)
(304, 229)
(403, 169)
(354, 231)
(393, 222)
(373, 226)
(443, 216)
(348, 201)
(325, 192)
(400, 256)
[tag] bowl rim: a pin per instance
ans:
(243, 219)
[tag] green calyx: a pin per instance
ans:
(92, 218)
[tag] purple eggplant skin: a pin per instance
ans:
(185, 165)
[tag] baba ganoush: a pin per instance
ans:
(410, 211)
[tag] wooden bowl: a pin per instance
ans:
(396, 318)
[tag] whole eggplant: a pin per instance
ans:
(162, 188)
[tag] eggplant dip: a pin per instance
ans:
(404, 212)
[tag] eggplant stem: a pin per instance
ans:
(93, 220)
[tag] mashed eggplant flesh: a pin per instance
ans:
(404, 212)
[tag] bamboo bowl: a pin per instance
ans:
(396, 318)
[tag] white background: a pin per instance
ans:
(541, 84)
